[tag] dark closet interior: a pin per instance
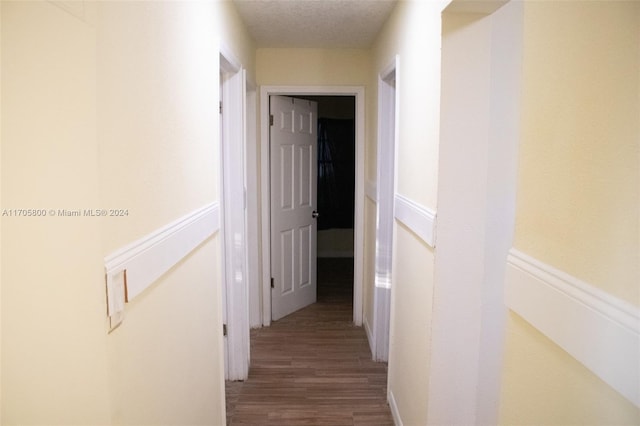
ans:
(336, 161)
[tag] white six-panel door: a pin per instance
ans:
(293, 164)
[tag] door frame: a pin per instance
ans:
(475, 224)
(358, 93)
(388, 113)
(233, 214)
(252, 203)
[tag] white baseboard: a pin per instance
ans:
(367, 329)
(148, 258)
(598, 329)
(381, 325)
(421, 220)
(394, 409)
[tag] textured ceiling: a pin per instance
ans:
(314, 23)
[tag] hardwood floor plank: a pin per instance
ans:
(313, 367)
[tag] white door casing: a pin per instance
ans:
(233, 216)
(254, 265)
(477, 177)
(386, 188)
(359, 93)
(293, 165)
(223, 288)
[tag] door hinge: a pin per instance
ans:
(220, 107)
(224, 329)
(272, 285)
(271, 120)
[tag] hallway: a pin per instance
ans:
(313, 367)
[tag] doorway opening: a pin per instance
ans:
(336, 197)
(332, 243)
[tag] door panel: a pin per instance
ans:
(286, 177)
(305, 178)
(287, 271)
(293, 162)
(305, 256)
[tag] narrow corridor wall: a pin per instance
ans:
(413, 34)
(578, 206)
(110, 105)
(158, 69)
(54, 360)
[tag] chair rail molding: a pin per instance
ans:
(418, 218)
(598, 329)
(149, 257)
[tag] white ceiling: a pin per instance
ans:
(314, 23)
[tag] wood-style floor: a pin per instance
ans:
(314, 366)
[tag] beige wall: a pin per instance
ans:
(155, 131)
(312, 67)
(54, 359)
(409, 352)
(0, 205)
(578, 205)
(413, 33)
(543, 385)
(157, 93)
(163, 364)
(553, 167)
(233, 35)
(110, 106)
(578, 198)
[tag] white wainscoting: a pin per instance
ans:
(598, 329)
(421, 220)
(146, 259)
